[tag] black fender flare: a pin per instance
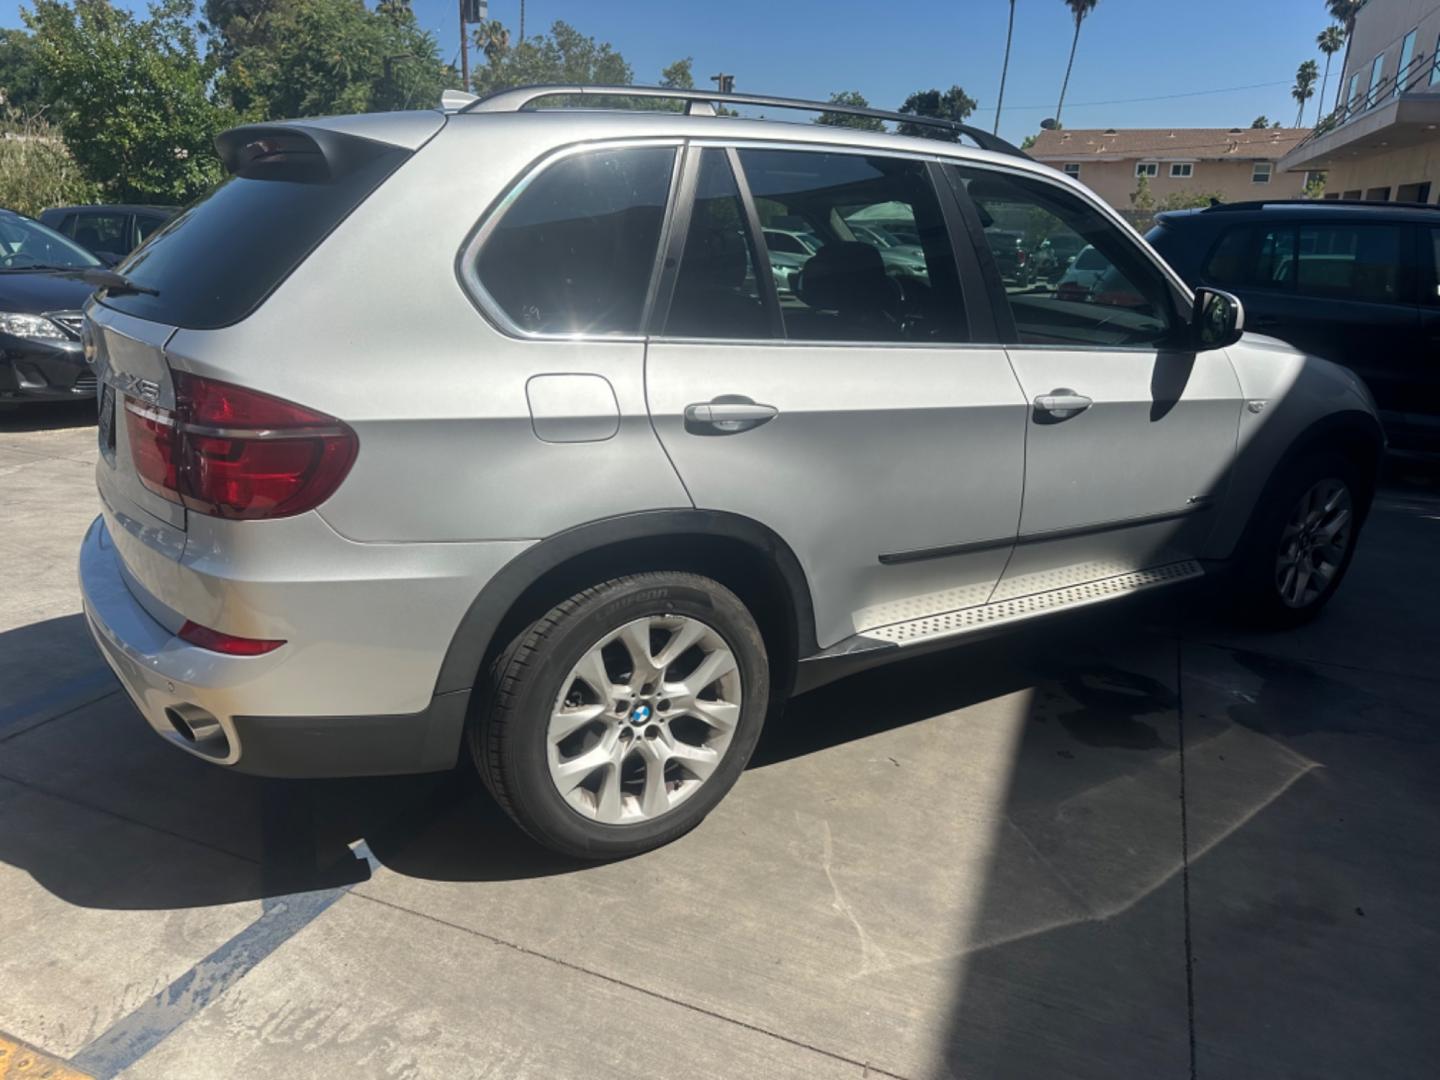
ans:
(487, 612)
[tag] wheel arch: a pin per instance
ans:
(1354, 432)
(747, 557)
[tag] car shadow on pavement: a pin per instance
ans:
(47, 415)
(80, 771)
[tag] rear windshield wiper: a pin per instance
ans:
(110, 281)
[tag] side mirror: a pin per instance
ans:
(1217, 321)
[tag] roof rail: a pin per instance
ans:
(515, 99)
(1257, 204)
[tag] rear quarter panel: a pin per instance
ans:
(375, 328)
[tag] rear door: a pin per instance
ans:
(866, 416)
(1129, 440)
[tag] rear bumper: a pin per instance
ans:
(43, 371)
(193, 698)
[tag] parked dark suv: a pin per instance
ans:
(1355, 283)
(111, 231)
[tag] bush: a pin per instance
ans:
(36, 170)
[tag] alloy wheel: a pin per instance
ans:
(1314, 542)
(643, 719)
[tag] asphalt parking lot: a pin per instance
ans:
(1133, 845)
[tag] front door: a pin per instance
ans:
(850, 413)
(1128, 441)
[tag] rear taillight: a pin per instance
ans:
(237, 453)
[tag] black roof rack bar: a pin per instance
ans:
(1254, 204)
(519, 97)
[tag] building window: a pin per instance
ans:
(1353, 196)
(1377, 194)
(1419, 193)
(1147, 168)
(1260, 174)
(1407, 61)
(1072, 168)
(1377, 72)
(1435, 64)
(1352, 99)
(1181, 170)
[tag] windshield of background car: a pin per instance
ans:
(28, 245)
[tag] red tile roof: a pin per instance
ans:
(1163, 144)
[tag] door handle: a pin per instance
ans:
(1062, 404)
(728, 415)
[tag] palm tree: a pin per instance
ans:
(1304, 88)
(1005, 68)
(1078, 8)
(1344, 12)
(1331, 41)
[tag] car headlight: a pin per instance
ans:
(34, 327)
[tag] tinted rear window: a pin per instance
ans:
(220, 257)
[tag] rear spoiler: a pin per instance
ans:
(296, 152)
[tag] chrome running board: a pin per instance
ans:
(967, 620)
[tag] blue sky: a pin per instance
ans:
(1129, 49)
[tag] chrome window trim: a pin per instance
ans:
(799, 343)
(468, 259)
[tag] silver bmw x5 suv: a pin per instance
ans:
(487, 430)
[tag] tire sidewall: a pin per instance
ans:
(525, 754)
(1256, 592)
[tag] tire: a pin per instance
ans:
(1263, 591)
(633, 779)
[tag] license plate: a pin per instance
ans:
(107, 419)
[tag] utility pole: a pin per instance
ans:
(476, 12)
(464, 52)
(724, 83)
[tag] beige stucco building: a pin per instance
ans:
(1383, 141)
(1234, 164)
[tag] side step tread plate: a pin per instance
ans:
(965, 620)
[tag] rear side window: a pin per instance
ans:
(104, 232)
(1228, 263)
(574, 250)
(1350, 262)
(219, 258)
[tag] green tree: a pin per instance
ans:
(565, 55)
(19, 71)
(1344, 13)
(1261, 121)
(680, 75)
(1187, 200)
(1079, 9)
(1142, 198)
(1331, 40)
(1304, 88)
(131, 96)
(314, 57)
(1004, 68)
(1315, 185)
(953, 104)
(1029, 141)
(857, 100)
(36, 170)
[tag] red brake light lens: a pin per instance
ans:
(228, 644)
(236, 453)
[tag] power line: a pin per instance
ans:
(1151, 97)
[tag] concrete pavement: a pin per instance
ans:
(1136, 844)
